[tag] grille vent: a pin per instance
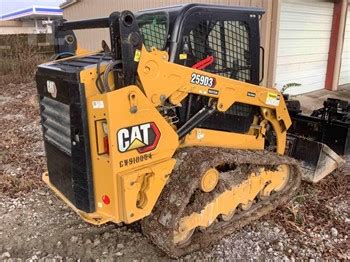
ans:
(56, 122)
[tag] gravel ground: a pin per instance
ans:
(36, 225)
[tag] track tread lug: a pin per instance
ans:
(185, 179)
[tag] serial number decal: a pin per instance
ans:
(134, 160)
(51, 88)
(97, 104)
(213, 92)
(202, 80)
(251, 94)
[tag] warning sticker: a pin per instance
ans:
(183, 56)
(272, 99)
(97, 104)
(137, 55)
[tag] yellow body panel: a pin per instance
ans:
(120, 175)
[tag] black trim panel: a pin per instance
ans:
(65, 130)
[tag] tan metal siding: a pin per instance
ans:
(91, 39)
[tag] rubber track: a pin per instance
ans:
(185, 179)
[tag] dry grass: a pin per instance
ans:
(21, 148)
(316, 209)
(15, 187)
(311, 201)
(18, 65)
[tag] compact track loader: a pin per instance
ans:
(167, 124)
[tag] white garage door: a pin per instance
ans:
(304, 35)
(345, 60)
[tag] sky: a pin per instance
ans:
(7, 6)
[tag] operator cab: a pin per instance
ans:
(217, 39)
(228, 36)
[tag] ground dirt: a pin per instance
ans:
(35, 224)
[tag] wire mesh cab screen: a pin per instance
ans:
(154, 29)
(231, 38)
(228, 41)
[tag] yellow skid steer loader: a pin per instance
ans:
(167, 124)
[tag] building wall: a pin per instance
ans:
(303, 44)
(11, 30)
(21, 27)
(15, 27)
(91, 39)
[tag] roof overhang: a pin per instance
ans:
(33, 12)
(68, 3)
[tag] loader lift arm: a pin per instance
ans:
(163, 80)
